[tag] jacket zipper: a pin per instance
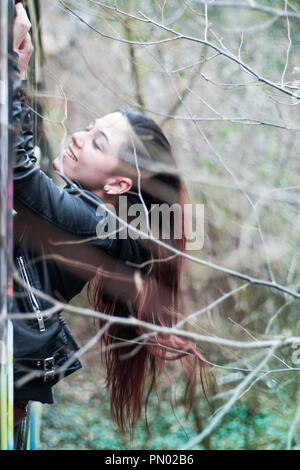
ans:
(31, 297)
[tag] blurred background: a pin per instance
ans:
(221, 78)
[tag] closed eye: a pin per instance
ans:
(96, 145)
(88, 129)
(99, 133)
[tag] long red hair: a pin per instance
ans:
(133, 358)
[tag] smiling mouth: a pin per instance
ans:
(70, 154)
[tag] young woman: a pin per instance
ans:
(64, 239)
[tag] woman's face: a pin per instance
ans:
(92, 155)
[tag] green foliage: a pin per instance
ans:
(85, 423)
(241, 159)
(81, 420)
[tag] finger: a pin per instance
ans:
(21, 25)
(21, 15)
(25, 53)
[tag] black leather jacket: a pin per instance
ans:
(55, 244)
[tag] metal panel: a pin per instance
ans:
(6, 229)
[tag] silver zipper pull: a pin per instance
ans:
(31, 297)
(40, 320)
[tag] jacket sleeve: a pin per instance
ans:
(33, 188)
(23, 148)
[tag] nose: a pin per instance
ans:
(77, 139)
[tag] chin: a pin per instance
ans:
(56, 167)
(55, 164)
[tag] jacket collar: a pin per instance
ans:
(70, 186)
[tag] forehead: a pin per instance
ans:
(115, 126)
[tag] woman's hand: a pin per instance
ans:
(22, 40)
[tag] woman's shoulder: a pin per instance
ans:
(129, 249)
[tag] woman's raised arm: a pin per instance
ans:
(22, 41)
(32, 187)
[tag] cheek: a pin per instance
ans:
(93, 172)
(104, 166)
(110, 163)
(91, 176)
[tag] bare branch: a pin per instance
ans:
(251, 7)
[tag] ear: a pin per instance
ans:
(117, 185)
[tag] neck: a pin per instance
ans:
(107, 198)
